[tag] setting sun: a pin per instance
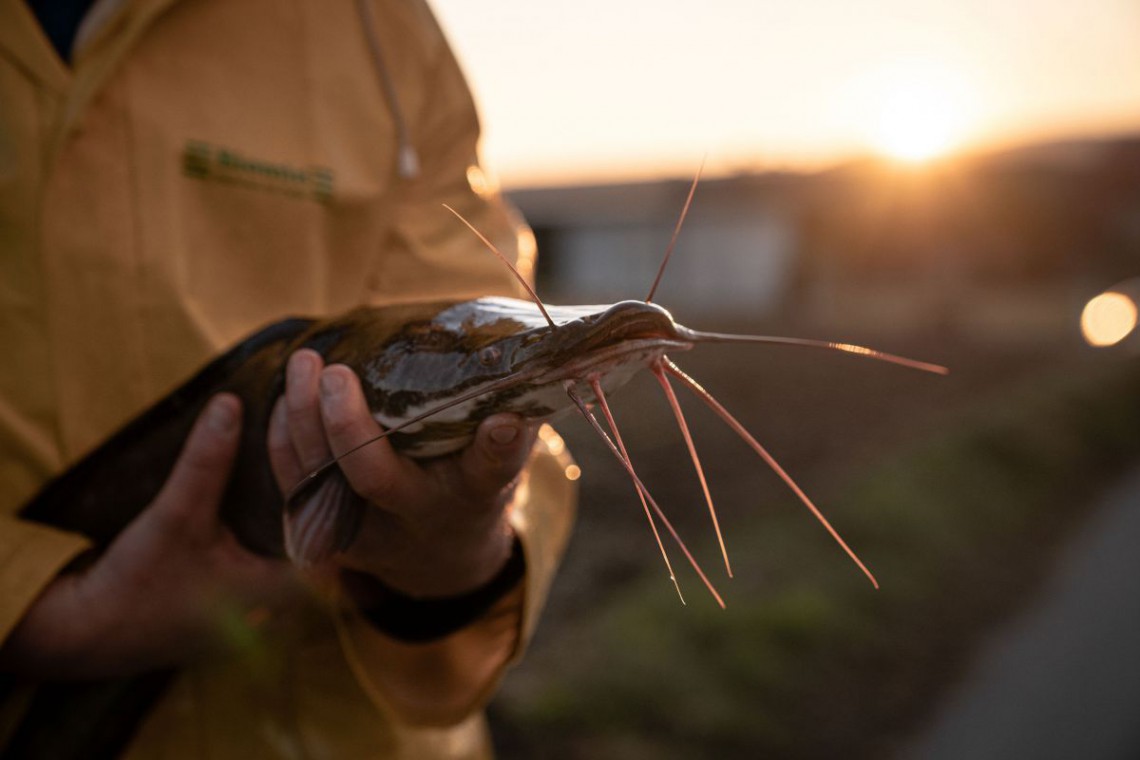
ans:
(915, 125)
(919, 110)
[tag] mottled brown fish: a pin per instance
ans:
(411, 359)
(431, 373)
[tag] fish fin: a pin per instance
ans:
(322, 520)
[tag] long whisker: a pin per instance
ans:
(641, 486)
(676, 233)
(601, 396)
(732, 422)
(505, 260)
(503, 382)
(659, 372)
(698, 336)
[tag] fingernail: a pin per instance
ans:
(332, 384)
(504, 434)
(221, 416)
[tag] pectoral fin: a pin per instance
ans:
(322, 519)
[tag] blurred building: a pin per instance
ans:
(600, 244)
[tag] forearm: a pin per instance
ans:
(69, 634)
(38, 645)
(31, 557)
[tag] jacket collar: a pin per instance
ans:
(23, 42)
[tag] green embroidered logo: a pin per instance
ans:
(201, 160)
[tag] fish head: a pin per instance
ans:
(610, 343)
(507, 346)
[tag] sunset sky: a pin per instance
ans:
(613, 89)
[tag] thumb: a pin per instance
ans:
(501, 447)
(195, 486)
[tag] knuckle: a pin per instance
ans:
(277, 430)
(284, 470)
(298, 405)
(200, 463)
(375, 489)
(497, 469)
(198, 469)
(341, 426)
(169, 513)
(278, 446)
(174, 514)
(278, 442)
(375, 492)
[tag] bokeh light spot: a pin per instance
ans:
(1108, 319)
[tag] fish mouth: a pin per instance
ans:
(629, 333)
(613, 355)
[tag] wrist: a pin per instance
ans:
(439, 563)
(52, 638)
(417, 619)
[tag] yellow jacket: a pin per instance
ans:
(202, 169)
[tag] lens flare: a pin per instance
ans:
(1108, 319)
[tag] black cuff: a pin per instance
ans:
(419, 620)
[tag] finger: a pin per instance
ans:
(283, 460)
(195, 486)
(303, 410)
(500, 449)
(375, 471)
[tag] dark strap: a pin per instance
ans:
(421, 620)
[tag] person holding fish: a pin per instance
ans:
(173, 176)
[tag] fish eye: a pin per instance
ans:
(490, 356)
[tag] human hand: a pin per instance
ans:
(166, 587)
(433, 527)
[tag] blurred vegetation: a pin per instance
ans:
(809, 661)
